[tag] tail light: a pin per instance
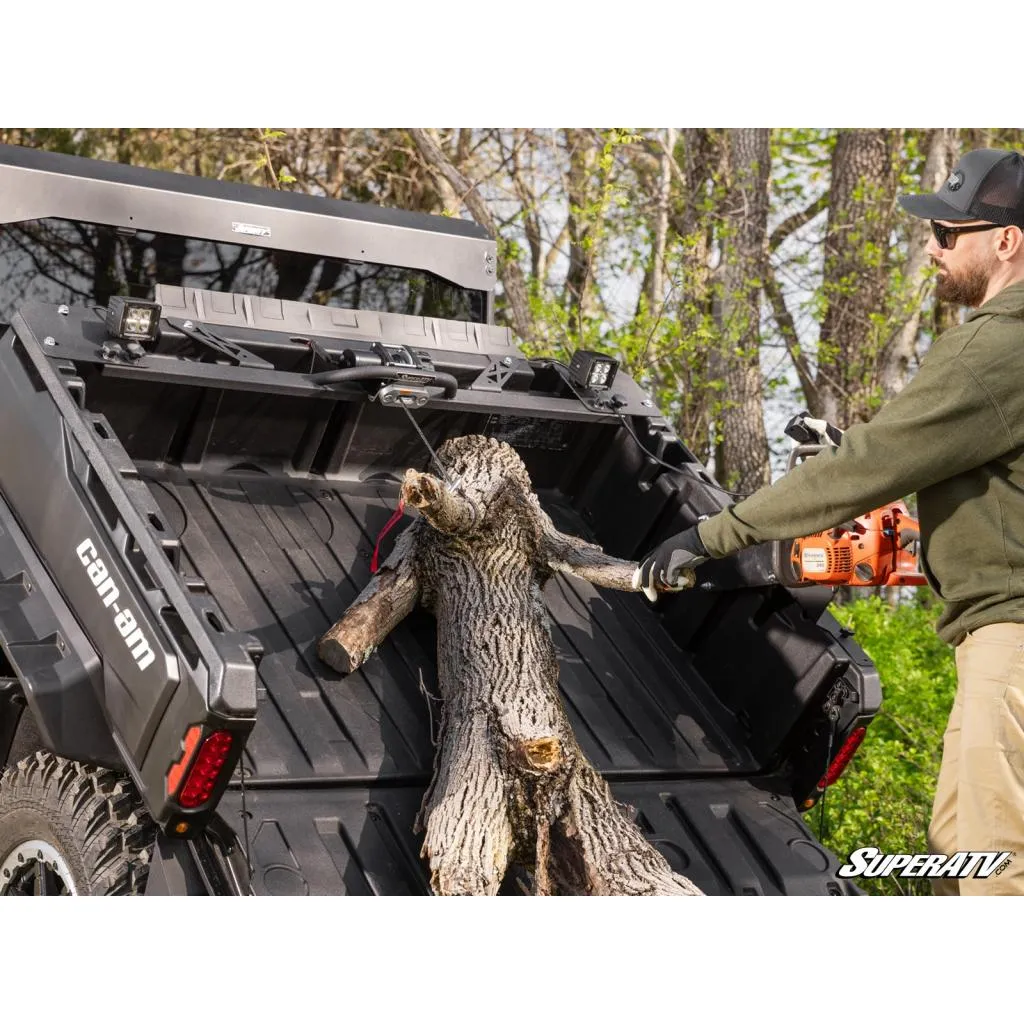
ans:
(843, 758)
(202, 776)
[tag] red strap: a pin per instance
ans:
(396, 515)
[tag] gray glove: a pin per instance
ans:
(805, 429)
(666, 567)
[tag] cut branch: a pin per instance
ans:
(385, 601)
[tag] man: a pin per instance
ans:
(955, 435)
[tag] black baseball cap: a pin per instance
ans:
(987, 184)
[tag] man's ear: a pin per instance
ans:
(1011, 243)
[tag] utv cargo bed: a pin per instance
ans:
(336, 766)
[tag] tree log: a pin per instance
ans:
(511, 782)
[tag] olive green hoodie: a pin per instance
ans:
(955, 435)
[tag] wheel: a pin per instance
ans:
(71, 829)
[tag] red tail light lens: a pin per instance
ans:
(177, 770)
(844, 757)
(202, 777)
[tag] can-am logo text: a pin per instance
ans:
(124, 618)
(869, 862)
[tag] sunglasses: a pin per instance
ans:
(946, 237)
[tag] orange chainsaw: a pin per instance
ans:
(878, 549)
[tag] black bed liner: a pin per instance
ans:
(285, 560)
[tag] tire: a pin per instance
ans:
(68, 828)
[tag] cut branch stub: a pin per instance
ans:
(511, 782)
(543, 755)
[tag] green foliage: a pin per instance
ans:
(884, 798)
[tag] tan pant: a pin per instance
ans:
(979, 799)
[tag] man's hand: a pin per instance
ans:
(665, 567)
(804, 429)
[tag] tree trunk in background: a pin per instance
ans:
(945, 316)
(856, 273)
(941, 152)
(656, 285)
(977, 138)
(744, 448)
(582, 155)
(334, 159)
(691, 221)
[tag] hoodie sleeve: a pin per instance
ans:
(944, 422)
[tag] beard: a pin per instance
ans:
(966, 287)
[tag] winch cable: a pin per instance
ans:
(675, 469)
(423, 437)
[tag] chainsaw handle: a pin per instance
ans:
(780, 563)
(803, 451)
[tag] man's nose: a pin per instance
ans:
(932, 248)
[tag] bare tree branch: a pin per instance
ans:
(795, 221)
(787, 329)
(466, 191)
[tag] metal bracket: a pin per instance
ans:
(495, 375)
(233, 353)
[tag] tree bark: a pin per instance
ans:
(528, 200)
(694, 163)
(511, 782)
(744, 444)
(656, 284)
(856, 273)
(582, 156)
